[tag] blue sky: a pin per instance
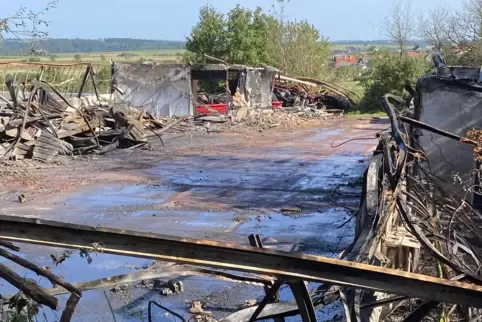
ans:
(173, 19)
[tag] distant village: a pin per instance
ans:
(360, 56)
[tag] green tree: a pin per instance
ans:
(52, 58)
(102, 57)
(246, 36)
(207, 37)
(306, 52)
(254, 37)
(77, 58)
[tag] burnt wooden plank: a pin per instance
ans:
(82, 128)
(136, 134)
(13, 133)
(135, 129)
(51, 143)
(31, 289)
(67, 148)
(47, 147)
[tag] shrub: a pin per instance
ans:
(389, 74)
(350, 73)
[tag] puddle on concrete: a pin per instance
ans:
(330, 172)
(248, 184)
(318, 229)
(95, 198)
(74, 269)
(325, 135)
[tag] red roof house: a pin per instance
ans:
(347, 60)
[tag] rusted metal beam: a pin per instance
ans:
(284, 265)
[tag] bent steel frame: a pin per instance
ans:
(283, 265)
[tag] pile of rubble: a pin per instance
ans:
(311, 93)
(283, 118)
(264, 119)
(49, 124)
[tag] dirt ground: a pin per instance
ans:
(211, 186)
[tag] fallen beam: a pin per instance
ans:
(31, 289)
(40, 271)
(294, 80)
(287, 266)
(169, 272)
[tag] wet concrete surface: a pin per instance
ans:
(224, 193)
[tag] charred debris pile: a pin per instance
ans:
(47, 123)
(421, 206)
(294, 102)
(312, 93)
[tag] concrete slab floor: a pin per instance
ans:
(220, 187)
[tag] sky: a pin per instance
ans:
(173, 19)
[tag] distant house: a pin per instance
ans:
(346, 60)
(338, 53)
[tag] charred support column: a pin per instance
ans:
(194, 84)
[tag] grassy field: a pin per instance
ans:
(130, 56)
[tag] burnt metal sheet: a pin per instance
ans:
(163, 90)
(452, 103)
(256, 84)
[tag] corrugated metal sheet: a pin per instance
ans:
(163, 90)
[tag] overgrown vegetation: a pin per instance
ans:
(389, 74)
(454, 33)
(255, 37)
